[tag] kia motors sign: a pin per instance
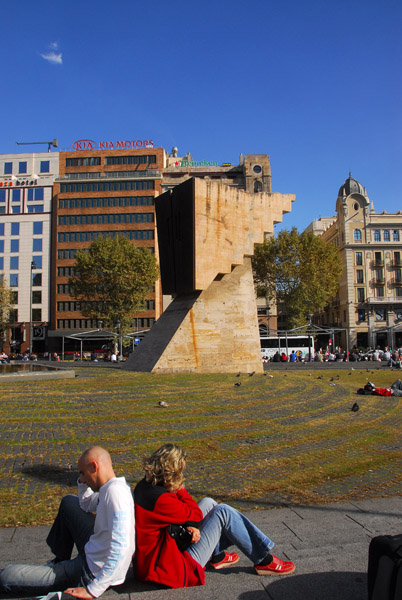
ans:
(91, 145)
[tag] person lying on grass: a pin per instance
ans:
(370, 389)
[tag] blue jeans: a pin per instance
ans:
(224, 526)
(72, 526)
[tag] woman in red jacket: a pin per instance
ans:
(162, 504)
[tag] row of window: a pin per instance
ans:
(37, 228)
(65, 271)
(379, 275)
(131, 160)
(36, 315)
(103, 202)
(93, 323)
(106, 186)
(44, 167)
(71, 306)
(91, 236)
(378, 258)
(14, 262)
(386, 235)
(37, 245)
(83, 161)
(71, 253)
(110, 218)
(36, 280)
(17, 194)
(16, 210)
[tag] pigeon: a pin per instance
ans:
(238, 384)
(163, 404)
(355, 407)
(319, 377)
(251, 374)
(238, 374)
(332, 379)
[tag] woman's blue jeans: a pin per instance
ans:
(224, 526)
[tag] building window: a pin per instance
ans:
(357, 235)
(1, 245)
(359, 258)
(360, 276)
(398, 292)
(36, 314)
(37, 245)
(35, 194)
(38, 261)
(106, 186)
(2, 195)
(361, 315)
(15, 228)
(1, 228)
(85, 161)
(22, 167)
(360, 294)
(398, 278)
(379, 292)
(16, 196)
(14, 245)
(377, 235)
(37, 279)
(131, 160)
(379, 275)
(14, 261)
(102, 202)
(13, 279)
(16, 210)
(44, 166)
(15, 297)
(395, 235)
(387, 237)
(1, 263)
(380, 314)
(63, 288)
(37, 228)
(397, 258)
(378, 258)
(8, 168)
(35, 208)
(37, 297)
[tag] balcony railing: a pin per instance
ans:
(378, 281)
(111, 175)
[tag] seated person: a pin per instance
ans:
(105, 541)
(162, 503)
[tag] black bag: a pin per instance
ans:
(182, 536)
(385, 568)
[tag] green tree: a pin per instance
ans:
(112, 279)
(299, 270)
(6, 307)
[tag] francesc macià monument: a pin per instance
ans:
(206, 236)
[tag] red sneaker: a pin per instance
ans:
(276, 567)
(231, 558)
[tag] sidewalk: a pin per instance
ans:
(328, 543)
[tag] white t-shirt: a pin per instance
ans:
(110, 548)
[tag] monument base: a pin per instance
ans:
(213, 331)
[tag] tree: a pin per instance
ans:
(6, 307)
(299, 270)
(112, 278)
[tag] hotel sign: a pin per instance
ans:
(196, 163)
(91, 145)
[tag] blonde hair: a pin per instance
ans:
(166, 466)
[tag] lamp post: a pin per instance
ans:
(33, 266)
(118, 327)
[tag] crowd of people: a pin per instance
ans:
(391, 357)
(169, 537)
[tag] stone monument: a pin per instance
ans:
(206, 236)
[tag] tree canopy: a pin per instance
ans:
(299, 270)
(6, 306)
(112, 278)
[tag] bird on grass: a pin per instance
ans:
(163, 404)
(355, 407)
(251, 374)
(238, 374)
(238, 384)
(319, 377)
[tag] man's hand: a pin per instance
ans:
(196, 534)
(79, 592)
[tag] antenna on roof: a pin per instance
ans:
(53, 143)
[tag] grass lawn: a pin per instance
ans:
(286, 437)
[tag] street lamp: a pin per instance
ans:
(118, 326)
(33, 266)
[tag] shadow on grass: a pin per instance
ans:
(53, 474)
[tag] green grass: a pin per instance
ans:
(291, 438)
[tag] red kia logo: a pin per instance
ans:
(84, 145)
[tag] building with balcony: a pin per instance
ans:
(369, 301)
(26, 191)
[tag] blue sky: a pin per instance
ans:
(314, 84)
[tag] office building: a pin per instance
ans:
(369, 302)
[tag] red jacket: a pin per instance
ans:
(157, 557)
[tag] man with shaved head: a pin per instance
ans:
(105, 540)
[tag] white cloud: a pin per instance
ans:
(55, 58)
